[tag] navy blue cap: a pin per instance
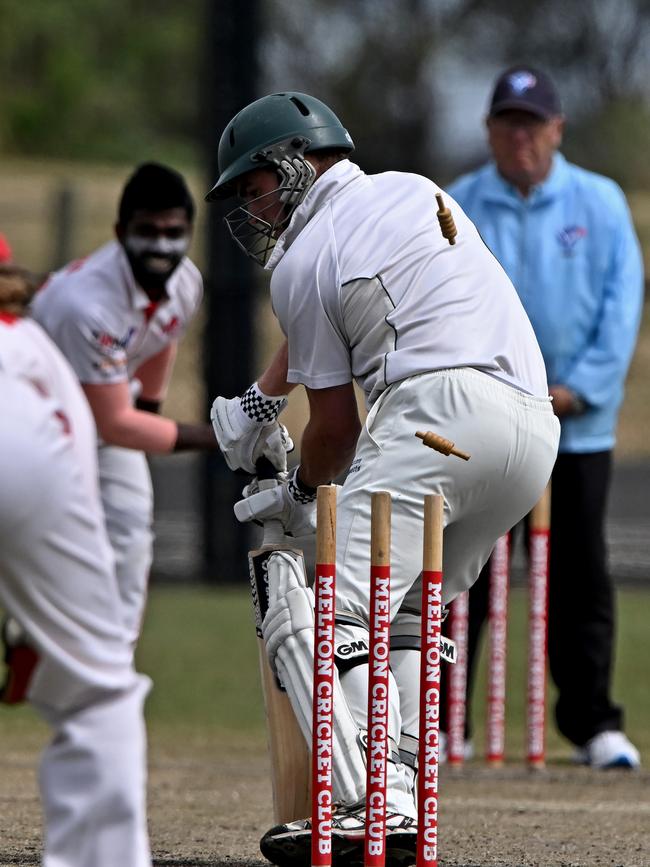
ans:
(526, 89)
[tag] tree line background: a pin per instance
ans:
(115, 80)
(90, 88)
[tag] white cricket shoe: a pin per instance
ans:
(609, 750)
(289, 845)
(468, 749)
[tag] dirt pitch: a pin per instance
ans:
(208, 808)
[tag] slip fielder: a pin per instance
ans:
(57, 580)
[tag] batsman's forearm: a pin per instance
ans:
(273, 381)
(323, 457)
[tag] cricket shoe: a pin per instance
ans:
(289, 845)
(20, 660)
(609, 749)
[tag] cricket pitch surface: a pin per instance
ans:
(209, 805)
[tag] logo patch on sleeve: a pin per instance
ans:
(110, 342)
(172, 327)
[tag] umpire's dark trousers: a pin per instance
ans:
(581, 602)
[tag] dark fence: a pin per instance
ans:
(179, 526)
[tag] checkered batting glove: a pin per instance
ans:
(246, 429)
(261, 408)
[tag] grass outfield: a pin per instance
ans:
(199, 647)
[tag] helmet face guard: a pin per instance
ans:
(274, 132)
(254, 234)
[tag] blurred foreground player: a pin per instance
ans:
(57, 581)
(366, 288)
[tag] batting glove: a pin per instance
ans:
(246, 429)
(290, 502)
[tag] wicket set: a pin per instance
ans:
(538, 555)
(377, 741)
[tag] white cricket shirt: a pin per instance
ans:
(365, 287)
(28, 354)
(104, 323)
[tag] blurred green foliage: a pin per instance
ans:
(99, 79)
(614, 141)
(123, 80)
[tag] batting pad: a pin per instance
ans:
(288, 631)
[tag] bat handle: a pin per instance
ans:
(273, 532)
(264, 469)
(267, 478)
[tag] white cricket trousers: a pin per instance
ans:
(127, 499)
(512, 438)
(57, 580)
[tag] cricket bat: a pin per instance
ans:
(288, 751)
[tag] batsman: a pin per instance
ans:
(368, 290)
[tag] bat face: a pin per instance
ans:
(288, 751)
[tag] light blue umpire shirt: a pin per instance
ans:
(572, 253)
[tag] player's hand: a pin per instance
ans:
(274, 443)
(254, 486)
(246, 428)
(286, 502)
(565, 401)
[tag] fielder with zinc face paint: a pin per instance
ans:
(117, 316)
(366, 289)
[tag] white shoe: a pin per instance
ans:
(468, 748)
(609, 750)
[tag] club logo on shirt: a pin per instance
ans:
(172, 327)
(569, 237)
(111, 343)
(355, 466)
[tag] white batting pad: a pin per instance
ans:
(288, 631)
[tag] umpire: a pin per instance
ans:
(565, 237)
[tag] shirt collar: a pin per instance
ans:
(328, 185)
(497, 189)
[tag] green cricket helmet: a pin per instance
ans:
(274, 132)
(266, 128)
